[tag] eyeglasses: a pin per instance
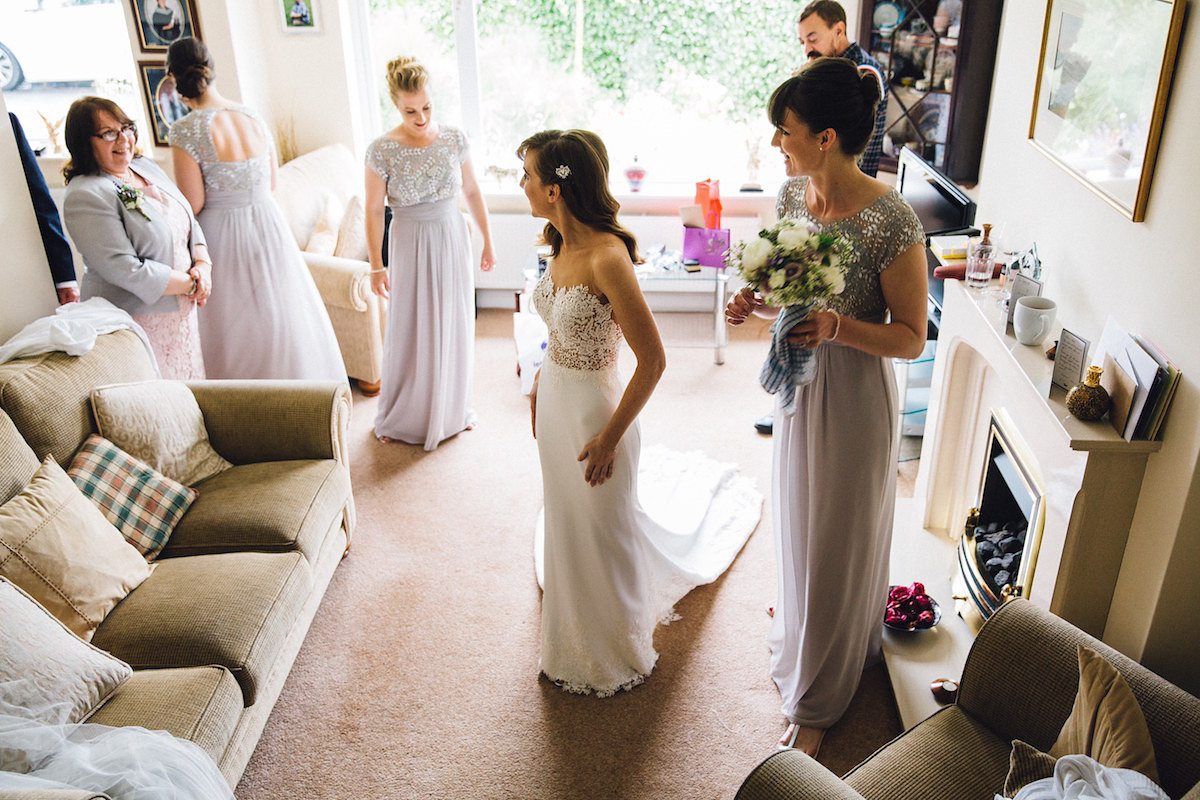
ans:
(111, 134)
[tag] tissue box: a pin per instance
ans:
(706, 245)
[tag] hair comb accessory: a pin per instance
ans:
(562, 171)
(878, 78)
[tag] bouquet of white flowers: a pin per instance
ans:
(793, 267)
(790, 265)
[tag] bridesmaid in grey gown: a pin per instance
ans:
(418, 169)
(267, 320)
(834, 476)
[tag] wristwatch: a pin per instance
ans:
(194, 288)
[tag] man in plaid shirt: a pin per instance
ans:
(822, 32)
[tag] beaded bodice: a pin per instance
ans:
(877, 235)
(582, 333)
(193, 134)
(419, 174)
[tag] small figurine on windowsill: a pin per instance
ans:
(753, 160)
(52, 129)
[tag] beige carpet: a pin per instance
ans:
(419, 676)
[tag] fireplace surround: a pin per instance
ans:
(1092, 476)
(1089, 476)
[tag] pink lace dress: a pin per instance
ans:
(175, 335)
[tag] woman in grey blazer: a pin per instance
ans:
(141, 245)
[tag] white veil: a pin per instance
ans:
(126, 763)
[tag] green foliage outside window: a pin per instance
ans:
(628, 45)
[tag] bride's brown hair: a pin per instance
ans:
(577, 162)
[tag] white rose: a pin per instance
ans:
(777, 279)
(754, 256)
(833, 278)
(793, 238)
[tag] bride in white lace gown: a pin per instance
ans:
(610, 572)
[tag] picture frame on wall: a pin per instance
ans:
(298, 16)
(1100, 103)
(163, 101)
(160, 23)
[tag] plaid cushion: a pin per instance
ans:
(140, 502)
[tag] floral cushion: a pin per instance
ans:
(160, 423)
(141, 502)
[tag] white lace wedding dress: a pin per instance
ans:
(613, 559)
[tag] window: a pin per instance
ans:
(54, 51)
(679, 84)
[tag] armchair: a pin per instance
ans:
(304, 189)
(1019, 682)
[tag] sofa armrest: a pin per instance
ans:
(341, 282)
(250, 422)
(51, 794)
(793, 775)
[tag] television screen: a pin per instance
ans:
(940, 205)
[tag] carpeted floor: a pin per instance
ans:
(419, 676)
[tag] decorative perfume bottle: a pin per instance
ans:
(635, 173)
(1089, 400)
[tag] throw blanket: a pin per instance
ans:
(72, 329)
(788, 365)
(1082, 778)
(126, 763)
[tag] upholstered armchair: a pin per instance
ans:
(1019, 682)
(320, 194)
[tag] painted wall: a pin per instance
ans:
(28, 288)
(1099, 263)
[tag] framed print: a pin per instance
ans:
(1101, 98)
(161, 22)
(163, 102)
(298, 15)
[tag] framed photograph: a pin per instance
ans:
(1101, 99)
(161, 22)
(298, 15)
(163, 101)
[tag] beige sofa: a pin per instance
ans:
(307, 189)
(1019, 682)
(213, 631)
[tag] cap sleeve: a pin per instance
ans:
(376, 160)
(907, 229)
(185, 134)
(464, 148)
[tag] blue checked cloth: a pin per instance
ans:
(788, 365)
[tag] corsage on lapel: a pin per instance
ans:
(132, 199)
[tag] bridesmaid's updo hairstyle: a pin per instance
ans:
(78, 130)
(577, 162)
(189, 61)
(831, 93)
(405, 75)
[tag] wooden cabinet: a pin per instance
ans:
(939, 56)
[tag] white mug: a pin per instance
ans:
(1033, 318)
